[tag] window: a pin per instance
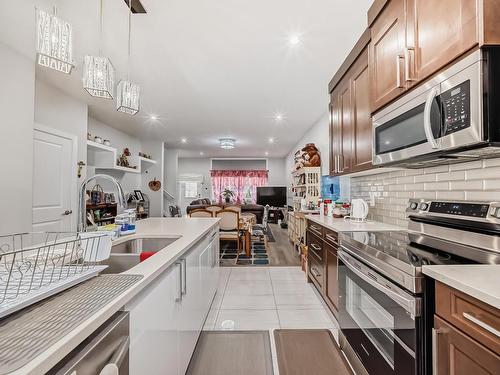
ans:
(191, 189)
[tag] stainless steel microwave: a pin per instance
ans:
(452, 117)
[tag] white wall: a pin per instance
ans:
(318, 134)
(155, 148)
(17, 92)
(170, 173)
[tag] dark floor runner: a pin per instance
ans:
(309, 351)
(232, 353)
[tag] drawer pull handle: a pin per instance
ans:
(315, 247)
(315, 272)
(481, 324)
(331, 238)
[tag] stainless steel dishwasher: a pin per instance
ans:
(105, 352)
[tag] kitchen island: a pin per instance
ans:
(187, 265)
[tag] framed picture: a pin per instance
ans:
(138, 195)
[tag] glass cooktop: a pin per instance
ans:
(398, 247)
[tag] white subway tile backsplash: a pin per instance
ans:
(425, 178)
(437, 186)
(476, 180)
(450, 176)
(466, 185)
(484, 173)
(466, 166)
(482, 196)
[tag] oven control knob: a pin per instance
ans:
(424, 206)
(413, 205)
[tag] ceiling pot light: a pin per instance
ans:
(54, 42)
(99, 73)
(279, 117)
(271, 140)
(153, 117)
(266, 153)
(128, 97)
(227, 143)
(201, 153)
(183, 140)
(293, 40)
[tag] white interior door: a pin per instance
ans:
(53, 181)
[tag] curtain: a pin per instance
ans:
(242, 183)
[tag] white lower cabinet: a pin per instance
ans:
(166, 318)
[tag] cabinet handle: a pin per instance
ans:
(315, 272)
(398, 72)
(184, 287)
(315, 247)
(408, 77)
(481, 324)
(332, 239)
(179, 291)
(435, 333)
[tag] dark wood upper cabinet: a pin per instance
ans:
(350, 114)
(443, 30)
(387, 45)
(414, 39)
(361, 114)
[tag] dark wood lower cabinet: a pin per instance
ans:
(459, 354)
(332, 278)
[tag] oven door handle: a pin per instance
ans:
(113, 366)
(409, 304)
(427, 118)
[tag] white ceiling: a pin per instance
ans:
(208, 68)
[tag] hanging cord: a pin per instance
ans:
(100, 29)
(129, 34)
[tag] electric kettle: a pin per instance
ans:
(359, 210)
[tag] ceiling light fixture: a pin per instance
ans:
(98, 72)
(227, 143)
(266, 153)
(279, 117)
(271, 140)
(184, 140)
(294, 39)
(153, 117)
(128, 97)
(54, 42)
(201, 153)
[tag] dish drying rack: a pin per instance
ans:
(34, 266)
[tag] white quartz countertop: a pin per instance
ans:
(477, 280)
(341, 225)
(188, 231)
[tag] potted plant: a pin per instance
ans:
(227, 194)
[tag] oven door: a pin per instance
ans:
(380, 321)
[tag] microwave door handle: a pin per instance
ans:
(427, 118)
(406, 303)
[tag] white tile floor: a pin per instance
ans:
(267, 298)
(252, 298)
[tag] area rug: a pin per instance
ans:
(270, 236)
(309, 351)
(231, 353)
(228, 252)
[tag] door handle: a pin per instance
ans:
(408, 77)
(67, 212)
(427, 118)
(184, 269)
(117, 359)
(179, 291)
(398, 72)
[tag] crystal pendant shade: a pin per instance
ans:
(127, 97)
(99, 76)
(227, 143)
(54, 44)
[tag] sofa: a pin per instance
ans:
(256, 209)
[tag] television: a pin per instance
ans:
(275, 196)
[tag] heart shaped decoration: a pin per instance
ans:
(154, 185)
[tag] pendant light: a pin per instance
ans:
(98, 72)
(54, 42)
(128, 95)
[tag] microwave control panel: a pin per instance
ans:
(456, 108)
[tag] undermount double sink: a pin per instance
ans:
(125, 255)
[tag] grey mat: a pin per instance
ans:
(231, 353)
(309, 351)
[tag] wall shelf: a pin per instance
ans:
(104, 158)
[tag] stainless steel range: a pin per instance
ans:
(386, 304)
